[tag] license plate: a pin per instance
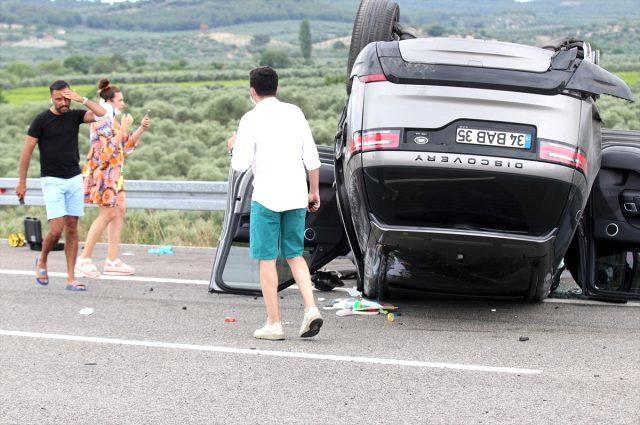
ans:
(502, 139)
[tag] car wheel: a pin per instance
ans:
(374, 21)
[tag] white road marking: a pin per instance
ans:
(138, 279)
(273, 353)
(105, 277)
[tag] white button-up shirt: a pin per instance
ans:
(274, 139)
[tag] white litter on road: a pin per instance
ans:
(273, 353)
(86, 311)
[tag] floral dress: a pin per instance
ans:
(103, 178)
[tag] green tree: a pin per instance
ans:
(435, 30)
(260, 40)
(339, 45)
(274, 59)
(51, 67)
(109, 64)
(21, 70)
(139, 60)
(78, 63)
(305, 39)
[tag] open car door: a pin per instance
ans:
(235, 272)
(605, 255)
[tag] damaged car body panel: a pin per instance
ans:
(591, 79)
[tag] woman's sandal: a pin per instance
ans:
(75, 286)
(42, 277)
(85, 268)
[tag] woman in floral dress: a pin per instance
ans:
(110, 144)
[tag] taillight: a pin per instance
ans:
(373, 78)
(563, 154)
(370, 140)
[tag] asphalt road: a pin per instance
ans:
(159, 352)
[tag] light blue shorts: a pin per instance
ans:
(63, 196)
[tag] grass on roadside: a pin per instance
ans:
(21, 95)
(630, 77)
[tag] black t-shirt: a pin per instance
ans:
(58, 142)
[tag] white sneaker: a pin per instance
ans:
(311, 323)
(272, 332)
(117, 268)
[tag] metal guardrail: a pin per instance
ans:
(142, 194)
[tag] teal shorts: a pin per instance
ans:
(276, 234)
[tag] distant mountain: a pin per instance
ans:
(178, 15)
(167, 15)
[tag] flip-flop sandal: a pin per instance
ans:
(75, 286)
(42, 277)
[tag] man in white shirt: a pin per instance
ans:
(274, 139)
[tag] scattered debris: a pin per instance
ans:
(86, 311)
(353, 292)
(391, 317)
(91, 364)
(229, 319)
(127, 254)
(326, 280)
(161, 250)
(493, 310)
(320, 299)
(573, 293)
(151, 289)
(349, 275)
(359, 306)
(523, 338)
(184, 307)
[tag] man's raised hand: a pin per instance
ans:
(71, 95)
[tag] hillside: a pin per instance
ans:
(182, 15)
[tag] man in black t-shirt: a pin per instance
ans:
(55, 131)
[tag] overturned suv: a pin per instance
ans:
(467, 167)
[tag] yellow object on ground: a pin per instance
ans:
(16, 240)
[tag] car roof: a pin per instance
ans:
(477, 53)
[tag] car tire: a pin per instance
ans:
(540, 289)
(375, 285)
(374, 21)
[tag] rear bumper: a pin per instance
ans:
(462, 262)
(467, 192)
